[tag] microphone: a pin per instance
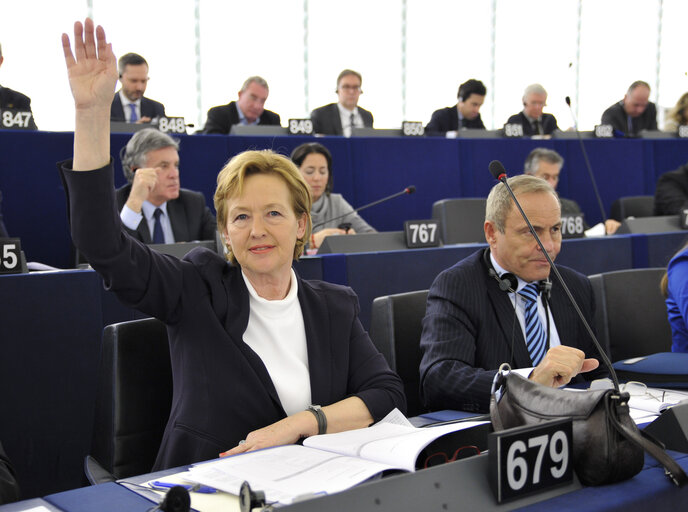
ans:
(587, 164)
(497, 169)
(408, 190)
(177, 499)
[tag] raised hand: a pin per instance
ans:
(92, 69)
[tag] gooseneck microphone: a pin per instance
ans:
(408, 190)
(177, 499)
(497, 169)
(587, 164)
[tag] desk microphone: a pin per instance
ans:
(587, 164)
(177, 499)
(408, 190)
(497, 169)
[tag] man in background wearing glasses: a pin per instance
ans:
(338, 118)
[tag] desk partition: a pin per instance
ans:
(364, 169)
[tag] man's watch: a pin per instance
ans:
(320, 417)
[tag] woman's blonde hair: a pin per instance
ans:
(231, 180)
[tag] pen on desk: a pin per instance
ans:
(164, 486)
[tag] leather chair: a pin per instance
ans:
(631, 316)
(396, 326)
(632, 206)
(133, 402)
(461, 219)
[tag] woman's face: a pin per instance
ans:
(262, 227)
(314, 170)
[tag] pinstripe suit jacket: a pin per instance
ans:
(469, 330)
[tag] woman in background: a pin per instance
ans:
(678, 115)
(675, 288)
(329, 210)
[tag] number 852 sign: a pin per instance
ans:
(530, 459)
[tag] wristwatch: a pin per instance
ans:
(320, 417)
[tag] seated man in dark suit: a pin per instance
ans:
(465, 115)
(499, 306)
(635, 112)
(150, 162)
(9, 490)
(531, 118)
(129, 105)
(338, 118)
(249, 109)
(546, 164)
(11, 99)
(671, 194)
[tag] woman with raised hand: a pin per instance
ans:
(253, 347)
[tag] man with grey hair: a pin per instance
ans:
(499, 306)
(531, 118)
(153, 207)
(129, 104)
(546, 164)
(14, 100)
(249, 109)
(635, 112)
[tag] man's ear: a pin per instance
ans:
(490, 232)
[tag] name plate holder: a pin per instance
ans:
(12, 260)
(513, 130)
(14, 119)
(572, 226)
(604, 131)
(171, 124)
(530, 459)
(422, 233)
(300, 127)
(412, 129)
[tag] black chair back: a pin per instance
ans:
(461, 220)
(631, 316)
(632, 206)
(396, 326)
(134, 396)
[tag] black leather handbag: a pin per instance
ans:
(607, 446)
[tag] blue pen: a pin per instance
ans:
(163, 486)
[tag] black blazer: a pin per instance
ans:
(469, 330)
(9, 490)
(222, 118)
(149, 108)
(221, 388)
(671, 194)
(447, 119)
(617, 117)
(10, 98)
(326, 119)
(549, 124)
(191, 219)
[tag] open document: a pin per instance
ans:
(327, 463)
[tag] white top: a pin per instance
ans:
(276, 333)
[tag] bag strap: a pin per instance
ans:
(671, 467)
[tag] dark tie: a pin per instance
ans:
(133, 117)
(351, 122)
(535, 334)
(536, 127)
(158, 236)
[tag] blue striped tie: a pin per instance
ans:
(535, 334)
